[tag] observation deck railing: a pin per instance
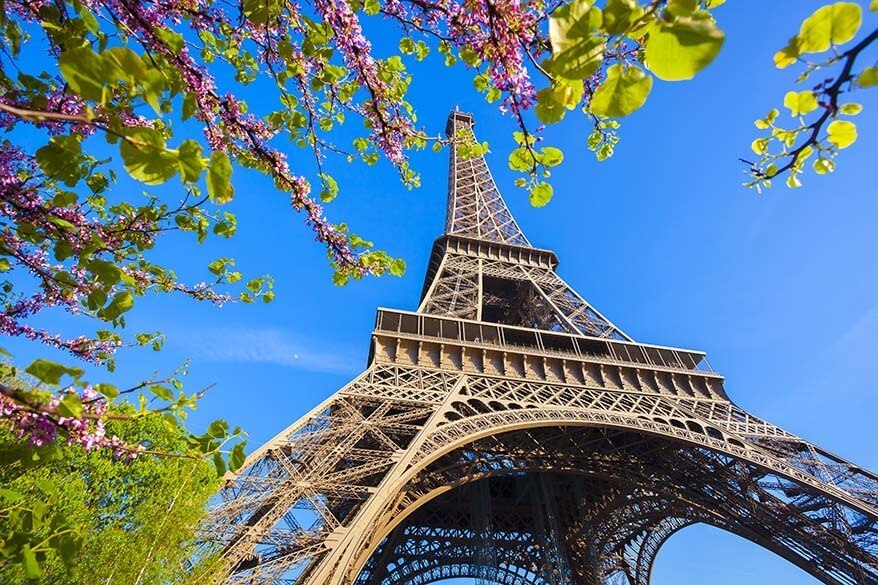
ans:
(502, 336)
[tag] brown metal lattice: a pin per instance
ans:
(510, 433)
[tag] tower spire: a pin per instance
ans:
(475, 207)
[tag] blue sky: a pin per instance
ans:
(780, 289)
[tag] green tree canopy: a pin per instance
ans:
(131, 522)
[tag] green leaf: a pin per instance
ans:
(219, 175)
(832, 24)
(521, 160)
(29, 563)
(145, 156)
(622, 92)
(162, 392)
(51, 372)
(788, 55)
(60, 159)
(372, 7)
(851, 109)
(190, 105)
(219, 463)
(68, 547)
(91, 23)
(63, 250)
(122, 64)
(218, 429)
(190, 161)
(237, 457)
(619, 15)
(108, 391)
(759, 145)
(397, 267)
(218, 266)
(842, 133)
(70, 406)
(121, 302)
(823, 166)
(407, 45)
(576, 51)
(330, 189)
(678, 50)
(540, 194)
(548, 110)
(10, 495)
(800, 103)
(107, 273)
(681, 8)
(83, 69)
(153, 84)
(260, 11)
(551, 156)
(174, 40)
(868, 77)
(568, 92)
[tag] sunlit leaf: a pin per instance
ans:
(842, 133)
(540, 194)
(622, 92)
(577, 51)
(833, 24)
(800, 103)
(680, 49)
(145, 156)
(83, 69)
(868, 77)
(50, 372)
(219, 175)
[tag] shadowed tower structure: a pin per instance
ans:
(508, 432)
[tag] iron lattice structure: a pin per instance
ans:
(510, 433)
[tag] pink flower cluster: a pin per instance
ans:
(43, 426)
(57, 101)
(499, 31)
(389, 125)
(228, 130)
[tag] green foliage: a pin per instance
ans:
(89, 519)
(604, 60)
(833, 24)
(817, 130)
(576, 51)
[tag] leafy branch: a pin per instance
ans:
(827, 28)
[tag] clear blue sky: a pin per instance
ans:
(781, 289)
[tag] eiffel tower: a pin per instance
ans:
(507, 432)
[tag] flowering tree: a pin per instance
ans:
(153, 90)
